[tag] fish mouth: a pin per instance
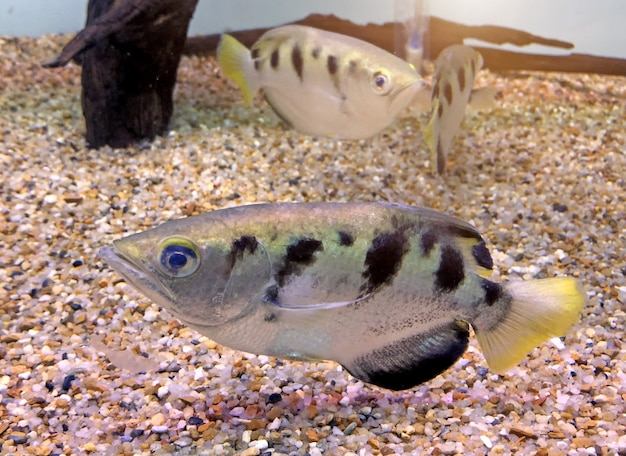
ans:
(138, 275)
(406, 93)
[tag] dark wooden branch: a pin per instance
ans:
(129, 51)
(442, 34)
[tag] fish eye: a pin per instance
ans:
(381, 82)
(178, 257)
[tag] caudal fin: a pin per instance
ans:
(540, 309)
(236, 63)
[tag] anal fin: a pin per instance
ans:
(412, 360)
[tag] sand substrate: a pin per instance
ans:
(541, 175)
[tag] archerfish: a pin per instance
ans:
(455, 71)
(322, 83)
(387, 291)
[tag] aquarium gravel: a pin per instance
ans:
(89, 366)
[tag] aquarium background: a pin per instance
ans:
(594, 27)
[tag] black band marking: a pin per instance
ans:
(297, 61)
(441, 157)
(451, 271)
(240, 246)
(428, 240)
(275, 58)
(331, 64)
(493, 291)
(345, 239)
(447, 93)
(481, 254)
(460, 74)
(299, 255)
(384, 258)
(413, 360)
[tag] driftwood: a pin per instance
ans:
(442, 34)
(129, 52)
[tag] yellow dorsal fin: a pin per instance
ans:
(236, 63)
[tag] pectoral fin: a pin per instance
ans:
(483, 98)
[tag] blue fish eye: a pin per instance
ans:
(179, 258)
(381, 82)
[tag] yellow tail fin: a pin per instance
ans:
(540, 309)
(236, 63)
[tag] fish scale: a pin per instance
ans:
(388, 291)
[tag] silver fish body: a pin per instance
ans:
(322, 83)
(387, 291)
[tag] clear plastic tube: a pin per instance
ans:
(411, 30)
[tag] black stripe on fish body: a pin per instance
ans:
(299, 254)
(440, 110)
(297, 61)
(275, 58)
(316, 52)
(254, 53)
(353, 67)
(303, 250)
(493, 291)
(441, 156)
(481, 254)
(451, 270)
(240, 246)
(413, 360)
(331, 64)
(244, 243)
(447, 93)
(428, 239)
(384, 258)
(460, 74)
(345, 239)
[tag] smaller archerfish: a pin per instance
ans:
(388, 291)
(455, 71)
(322, 83)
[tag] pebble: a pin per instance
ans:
(150, 315)
(251, 451)
(158, 419)
(50, 199)
(549, 135)
(260, 444)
